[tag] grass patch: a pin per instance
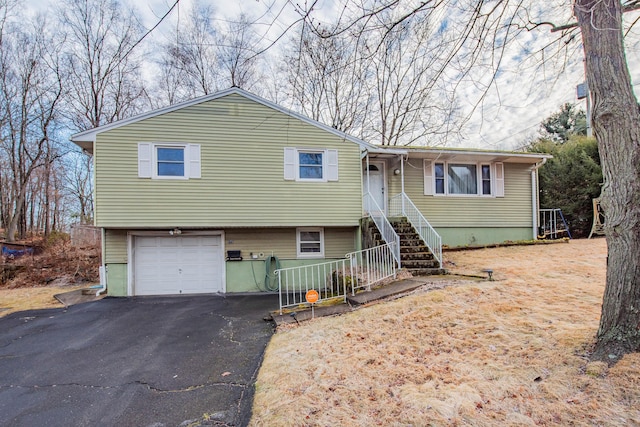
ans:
(505, 352)
(20, 299)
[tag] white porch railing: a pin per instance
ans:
(333, 279)
(376, 213)
(372, 266)
(401, 205)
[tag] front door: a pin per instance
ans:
(374, 183)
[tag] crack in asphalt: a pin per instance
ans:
(190, 388)
(230, 330)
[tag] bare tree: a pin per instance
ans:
(237, 53)
(104, 81)
(384, 82)
(104, 72)
(412, 98)
(327, 79)
(78, 173)
(30, 92)
(189, 65)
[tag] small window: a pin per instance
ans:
(310, 164)
(170, 161)
(310, 242)
(463, 179)
(486, 180)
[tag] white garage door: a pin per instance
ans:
(177, 265)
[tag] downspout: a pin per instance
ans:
(103, 267)
(535, 201)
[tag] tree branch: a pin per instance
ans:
(629, 7)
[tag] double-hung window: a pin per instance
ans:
(310, 164)
(168, 160)
(463, 179)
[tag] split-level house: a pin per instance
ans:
(211, 195)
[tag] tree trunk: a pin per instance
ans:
(616, 125)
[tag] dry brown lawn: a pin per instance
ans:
(12, 300)
(511, 352)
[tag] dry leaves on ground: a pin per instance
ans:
(506, 352)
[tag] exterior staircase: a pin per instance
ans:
(415, 256)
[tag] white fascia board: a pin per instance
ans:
(502, 155)
(382, 150)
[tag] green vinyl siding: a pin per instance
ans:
(477, 236)
(117, 280)
(250, 276)
(115, 246)
(242, 163)
(241, 276)
(511, 211)
(282, 242)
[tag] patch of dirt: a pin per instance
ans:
(59, 264)
(58, 268)
(513, 351)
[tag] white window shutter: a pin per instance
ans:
(194, 160)
(332, 165)
(145, 161)
(428, 177)
(289, 163)
(499, 179)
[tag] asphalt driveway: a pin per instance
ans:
(152, 361)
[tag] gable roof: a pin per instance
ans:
(86, 138)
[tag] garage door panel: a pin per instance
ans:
(168, 242)
(178, 265)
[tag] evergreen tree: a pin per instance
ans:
(568, 121)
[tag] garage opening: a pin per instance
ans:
(178, 265)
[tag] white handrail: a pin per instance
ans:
(389, 235)
(401, 205)
(333, 279)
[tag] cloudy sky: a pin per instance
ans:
(524, 93)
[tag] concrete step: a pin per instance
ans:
(426, 271)
(395, 288)
(419, 264)
(409, 236)
(426, 256)
(413, 248)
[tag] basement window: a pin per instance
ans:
(310, 242)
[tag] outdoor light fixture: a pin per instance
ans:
(396, 171)
(175, 232)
